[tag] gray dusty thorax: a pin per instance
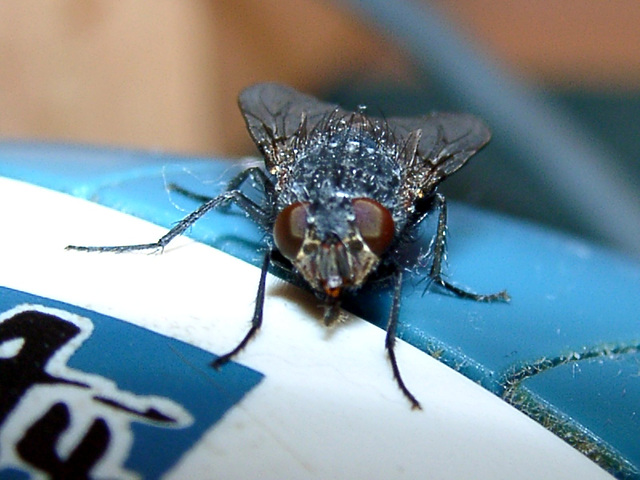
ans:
(337, 166)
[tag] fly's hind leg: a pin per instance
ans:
(256, 174)
(174, 187)
(439, 256)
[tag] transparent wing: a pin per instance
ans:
(274, 114)
(441, 142)
(435, 145)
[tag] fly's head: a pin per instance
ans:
(335, 245)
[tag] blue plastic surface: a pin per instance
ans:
(565, 350)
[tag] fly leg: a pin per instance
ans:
(257, 213)
(390, 340)
(174, 187)
(256, 174)
(252, 209)
(439, 256)
(256, 320)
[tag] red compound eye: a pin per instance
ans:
(375, 224)
(289, 229)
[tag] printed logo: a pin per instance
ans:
(79, 398)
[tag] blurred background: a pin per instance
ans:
(558, 83)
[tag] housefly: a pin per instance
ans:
(342, 192)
